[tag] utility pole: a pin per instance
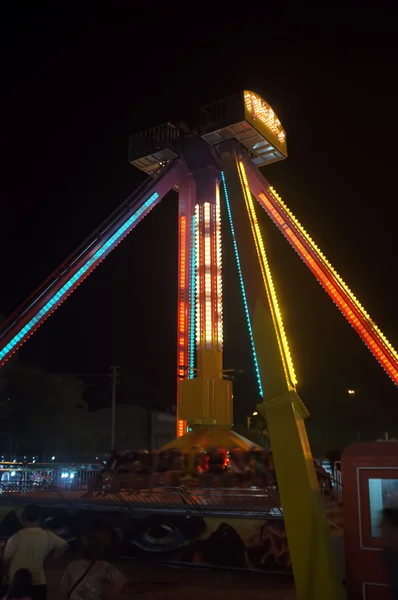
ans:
(115, 381)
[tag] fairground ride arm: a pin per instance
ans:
(50, 295)
(327, 276)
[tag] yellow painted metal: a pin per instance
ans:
(210, 437)
(314, 564)
(207, 399)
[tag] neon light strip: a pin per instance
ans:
(342, 297)
(269, 285)
(182, 339)
(207, 275)
(183, 323)
(191, 341)
(333, 271)
(242, 287)
(180, 428)
(214, 304)
(197, 274)
(261, 110)
(219, 313)
(67, 288)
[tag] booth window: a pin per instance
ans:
(383, 493)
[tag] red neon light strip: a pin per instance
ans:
(322, 271)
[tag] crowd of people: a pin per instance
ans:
(215, 467)
(85, 578)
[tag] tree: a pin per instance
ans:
(41, 413)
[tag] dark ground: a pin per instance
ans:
(169, 583)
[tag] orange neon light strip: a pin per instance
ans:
(182, 352)
(331, 281)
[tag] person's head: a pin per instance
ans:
(21, 584)
(96, 544)
(31, 515)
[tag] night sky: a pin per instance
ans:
(75, 84)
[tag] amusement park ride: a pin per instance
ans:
(219, 162)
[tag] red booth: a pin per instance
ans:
(370, 483)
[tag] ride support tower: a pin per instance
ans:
(218, 162)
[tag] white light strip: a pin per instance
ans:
(207, 275)
(219, 273)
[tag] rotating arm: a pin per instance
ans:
(327, 276)
(283, 344)
(81, 263)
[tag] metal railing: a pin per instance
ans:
(69, 484)
(201, 499)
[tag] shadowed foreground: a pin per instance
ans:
(166, 583)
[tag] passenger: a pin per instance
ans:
(127, 470)
(159, 469)
(191, 469)
(145, 461)
(191, 464)
(87, 577)
(216, 459)
(239, 466)
(94, 484)
(333, 455)
(260, 475)
(176, 472)
(324, 479)
(29, 548)
(203, 463)
(21, 586)
(112, 462)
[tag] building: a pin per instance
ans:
(136, 428)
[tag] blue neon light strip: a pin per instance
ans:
(242, 286)
(191, 352)
(75, 278)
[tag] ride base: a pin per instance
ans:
(210, 436)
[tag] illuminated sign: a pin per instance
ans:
(259, 110)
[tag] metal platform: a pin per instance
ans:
(154, 147)
(249, 119)
(245, 117)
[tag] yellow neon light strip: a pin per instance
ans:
(268, 283)
(334, 272)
